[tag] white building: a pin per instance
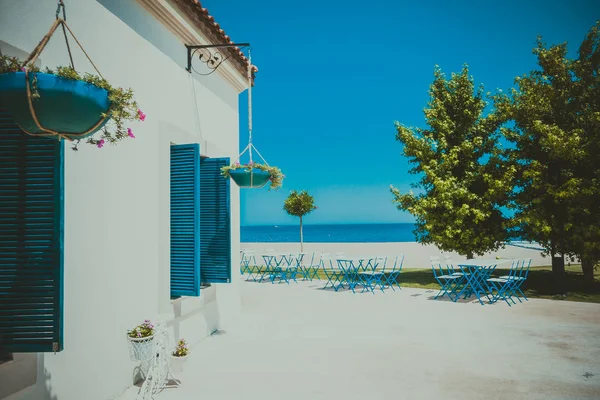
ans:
(112, 266)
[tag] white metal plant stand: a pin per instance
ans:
(159, 370)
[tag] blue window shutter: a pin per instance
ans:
(215, 222)
(185, 220)
(31, 240)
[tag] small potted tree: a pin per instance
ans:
(141, 341)
(299, 204)
(179, 355)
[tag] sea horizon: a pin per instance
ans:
(297, 225)
(330, 233)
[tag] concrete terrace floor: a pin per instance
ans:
(300, 342)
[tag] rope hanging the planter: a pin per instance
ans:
(33, 58)
(250, 146)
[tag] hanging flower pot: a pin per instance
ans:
(253, 175)
(73, 108)
(64, 104)
(141, 342)
(253, 178)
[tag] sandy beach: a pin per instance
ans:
(415, 255)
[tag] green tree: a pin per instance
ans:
(464, 185)
(553, 118)
(299, 204)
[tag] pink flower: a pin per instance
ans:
(141, 115)
(130, 133)
(23, 69)
(100, 143)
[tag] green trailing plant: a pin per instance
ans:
(122, 106)
(276, 176)
(181, 350)
(146, 329)
(299, 204)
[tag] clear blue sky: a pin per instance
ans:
(334, 75)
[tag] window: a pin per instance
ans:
(215, 222)
(200, 221)
(185, 220)
(31, 240)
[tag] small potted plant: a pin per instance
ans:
(179, 355)
(253, 175)
(141, 341)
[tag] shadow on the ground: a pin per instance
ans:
(540, 283)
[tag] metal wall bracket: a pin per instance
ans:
(210, 55)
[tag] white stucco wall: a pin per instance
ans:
(116, 270)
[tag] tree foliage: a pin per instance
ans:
(553, 120)
(460, 165)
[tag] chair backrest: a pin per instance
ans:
(398, 262)
(439, 268)
(248, 256)
(312, 259)
(380, 262)
(325, 261)
(515, 266)
(295, 259)
(345, 265)
(524, 270)
(449, 265)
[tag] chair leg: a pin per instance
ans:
(518, 288)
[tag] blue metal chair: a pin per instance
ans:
(271, 267)
(368, 275)
(305, 269)
(348, 273)
(517, 277)
(445, 277)
(312, 269)
(293, 266)
(247, 262)
(331, 273)
(391, 277)
(503, 286)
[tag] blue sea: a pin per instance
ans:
(359, 233)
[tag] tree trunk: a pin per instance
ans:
(587, 266)
(470, 256)
(301, 237)
(558, 273)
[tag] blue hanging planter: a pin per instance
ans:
(255, 178)
(69, 107)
